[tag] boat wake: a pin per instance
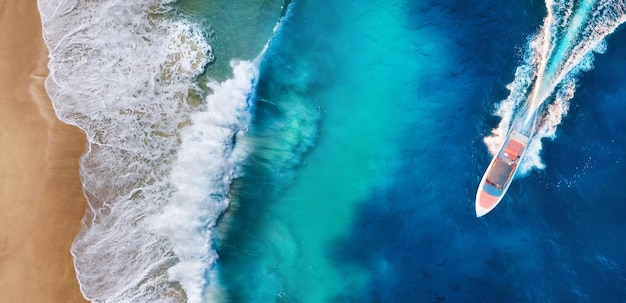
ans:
(572, 32)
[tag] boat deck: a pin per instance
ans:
(500, 173)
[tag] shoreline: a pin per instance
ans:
(41, 198)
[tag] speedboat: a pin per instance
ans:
(500, 173)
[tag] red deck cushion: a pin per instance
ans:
(513, 149)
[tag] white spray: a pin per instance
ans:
(546, 81)
(160, 160)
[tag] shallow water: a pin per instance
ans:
(380, 207)
(342, 163)
(160, 133)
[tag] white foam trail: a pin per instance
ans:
(158, 165)
(545, 83)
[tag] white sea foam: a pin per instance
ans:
(158, 167)
(202, 173)
(546, 81)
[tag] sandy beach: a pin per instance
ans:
(41, 201)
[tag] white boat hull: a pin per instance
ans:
(498, 176)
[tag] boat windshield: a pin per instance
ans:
(499, 174)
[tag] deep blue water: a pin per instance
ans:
(342, 163)
(366, 152)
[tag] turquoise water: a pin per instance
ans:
(366, 147)
(339, 81)
(342, 164)
(343, 89)
(236, 30)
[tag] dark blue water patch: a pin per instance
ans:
(546, 242)
(421, 243)
(490, 39)
(418, 236)
(488, 35)
(590, 144)
(584, 179)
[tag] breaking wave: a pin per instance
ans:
(161, 152)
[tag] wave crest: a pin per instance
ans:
(160, 157)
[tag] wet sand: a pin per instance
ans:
(41, 201)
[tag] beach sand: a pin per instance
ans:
(41, 201)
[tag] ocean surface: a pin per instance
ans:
(330, 151)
